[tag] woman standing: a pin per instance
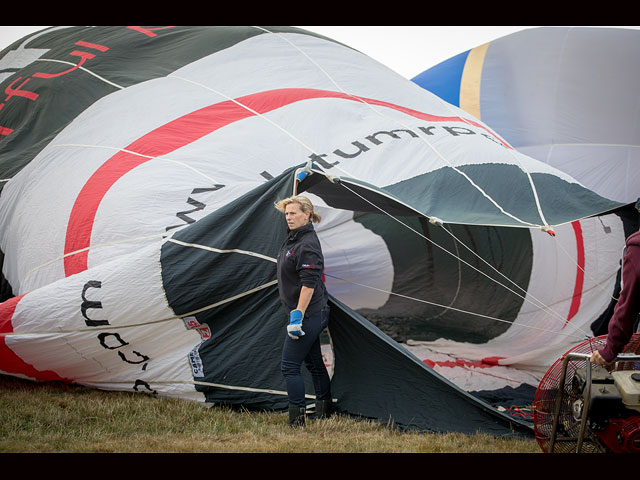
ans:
(304, 296)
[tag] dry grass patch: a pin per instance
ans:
(54, 417)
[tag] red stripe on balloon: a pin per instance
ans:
(176, 134)
(577, 289)
(7, 309)
(10, 362)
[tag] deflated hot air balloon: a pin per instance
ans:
(139, 233)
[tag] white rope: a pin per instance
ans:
(202, 383)
(546, 226)
(242, 105)
(193, 382)
(422, 137)
(126, 240)
(150, 322)
(164, 158)
(488, 317)
(530, 179)
(554, 314)
(217, 250)
(94, 246)
(353, 176)
(109, 82)
(595, 282)
(540, 303)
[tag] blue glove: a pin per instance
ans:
(294, 329)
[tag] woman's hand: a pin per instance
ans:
(294, 329)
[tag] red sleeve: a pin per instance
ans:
(626, 310)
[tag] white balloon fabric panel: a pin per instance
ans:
(572, 282)
(562, 95)
(95, 328)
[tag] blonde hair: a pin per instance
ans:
(305, 206)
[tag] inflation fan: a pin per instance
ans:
(581, 407)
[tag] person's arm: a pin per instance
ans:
(309, 266)
(625, 313)
(305, 297)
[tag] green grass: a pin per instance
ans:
(56, 418)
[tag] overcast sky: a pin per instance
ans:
(409, 50)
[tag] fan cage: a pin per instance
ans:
(544, 403)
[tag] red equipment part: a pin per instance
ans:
(611, 435)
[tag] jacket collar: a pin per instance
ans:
(293, 234)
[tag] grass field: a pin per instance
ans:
(57, 418)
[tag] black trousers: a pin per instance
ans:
(306, 349)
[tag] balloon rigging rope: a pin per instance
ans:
(512, 152)
(534, 190)
(595, 282)
(249, 109)
(180, 317)
(215, 250)
(513, 155)
(429, 144)
(540, 303)
(84, 69)
(362, 101)
(209, 384)
(448, 307)
(126, 240)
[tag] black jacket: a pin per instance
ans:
(300, 262)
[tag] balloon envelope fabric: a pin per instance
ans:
(138, 233)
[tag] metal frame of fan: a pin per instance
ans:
(561, 409)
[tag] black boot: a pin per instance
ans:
(323, 408)
(296, 416)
